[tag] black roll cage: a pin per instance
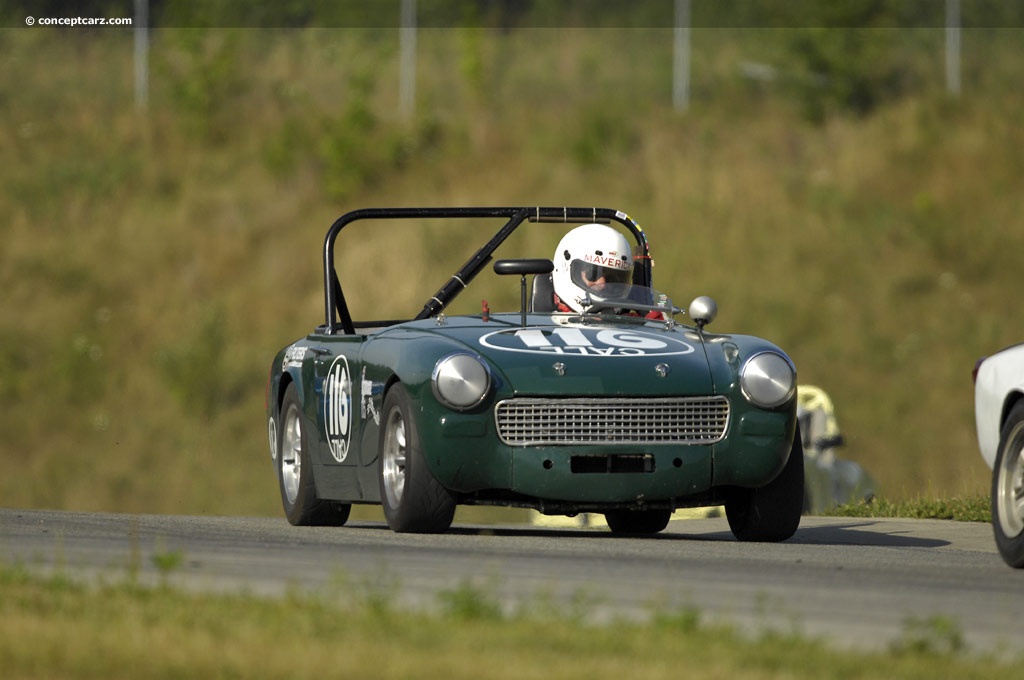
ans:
(337, 315)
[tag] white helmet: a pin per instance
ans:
(585, 256)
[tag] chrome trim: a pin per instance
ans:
(528, 421)
(461, 379)
(746, 381)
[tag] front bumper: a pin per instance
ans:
(466, 456)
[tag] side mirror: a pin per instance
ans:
(522, 268)
(703, 310)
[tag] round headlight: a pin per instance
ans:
(768, 380)
(461, 381)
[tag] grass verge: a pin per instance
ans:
(975, 508)
(56, 627)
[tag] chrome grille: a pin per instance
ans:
(672, 420)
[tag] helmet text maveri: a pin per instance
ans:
(588, 258)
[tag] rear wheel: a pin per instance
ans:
(637, 521)
(295, 471)
(771, 512)
(413, 500)
(1008, 490)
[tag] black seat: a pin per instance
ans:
(542, 298)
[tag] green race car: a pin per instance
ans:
(611, 402)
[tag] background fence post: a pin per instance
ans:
(953, 47)
(407, 67)
(141, 26)
(681, 57)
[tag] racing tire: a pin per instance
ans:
(637, 522)
(294, 465)
(412, 498)
(1008, 489)
(772, 512)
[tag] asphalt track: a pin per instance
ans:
(855, 583)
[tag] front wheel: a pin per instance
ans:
(1008, 490)
(772, 512)
(413, 500)
(295, 471)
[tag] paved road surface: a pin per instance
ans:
(855, 582)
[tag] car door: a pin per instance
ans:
(335, 394)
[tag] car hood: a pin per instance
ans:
(552, 355)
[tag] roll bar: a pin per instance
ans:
(337, 316)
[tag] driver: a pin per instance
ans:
(587, 259)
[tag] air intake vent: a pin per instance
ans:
(672, 420)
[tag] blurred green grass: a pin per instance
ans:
(118, 629)
(976, 508)
(154, 261)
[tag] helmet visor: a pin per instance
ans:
(588, 275)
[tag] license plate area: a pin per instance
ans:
(618, 463)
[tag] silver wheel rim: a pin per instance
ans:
(291, 454)
(1010, 485)
(393, 458)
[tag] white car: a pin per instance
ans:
(999, 417)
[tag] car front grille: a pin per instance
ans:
(672, 420)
